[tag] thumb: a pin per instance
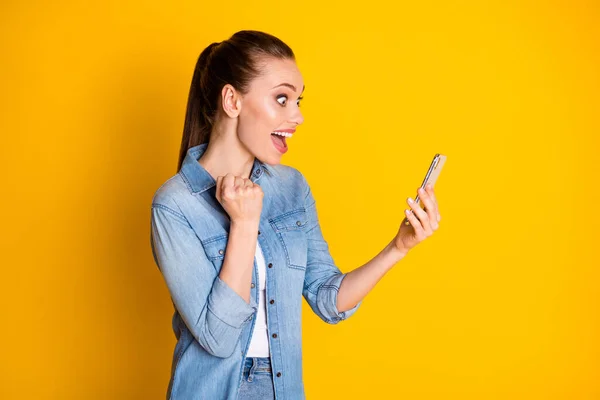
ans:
(218, 194)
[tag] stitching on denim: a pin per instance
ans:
(194, 155)
(214, 238)
(208, 242)
(262, 369)
(294, 227)
(175, 213)
(217, 317)
(311, 290)
(267, 253)
(185, 180)
(287, 254)
(326, 262)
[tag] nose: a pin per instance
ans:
(297, 117)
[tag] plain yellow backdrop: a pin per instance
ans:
(501, 303)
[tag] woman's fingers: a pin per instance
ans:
(232, 184)
(430, 208)
(228, 181)
(228, 189)
(416, 224)
(239, 183)
(421, 215)
(431, 193)
(219, 186)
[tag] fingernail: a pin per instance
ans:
(410, 200)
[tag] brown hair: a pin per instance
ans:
(233, 61)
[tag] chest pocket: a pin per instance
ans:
(290, 229)
(215, 248)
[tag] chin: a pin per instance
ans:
(271, 159)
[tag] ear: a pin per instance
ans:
(231, 101)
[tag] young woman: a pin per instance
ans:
(236, 236)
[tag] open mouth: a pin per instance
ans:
(279, 140)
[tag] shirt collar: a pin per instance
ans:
(198, 178)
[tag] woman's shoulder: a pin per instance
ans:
(287, 176)
(170, 191)
(286, 173)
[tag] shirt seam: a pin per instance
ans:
(171, 211)
(225, 322)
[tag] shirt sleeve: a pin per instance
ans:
(323, 278)
(213, 312)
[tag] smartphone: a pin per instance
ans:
(431, 177)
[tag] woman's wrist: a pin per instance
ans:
(245, 227)
(394, 252)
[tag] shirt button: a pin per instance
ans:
(252, 285)
(278, 374)
(298, 223)
(272, 301)
(221, 251)
(274, 336)
(270, 265)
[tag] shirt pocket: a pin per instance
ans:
(290, 228)
(215, 248)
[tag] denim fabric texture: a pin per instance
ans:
(212, 323)
(257, 380)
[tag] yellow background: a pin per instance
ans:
(501, 303)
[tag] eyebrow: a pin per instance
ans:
(290, 86)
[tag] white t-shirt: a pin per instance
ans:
(259, 342)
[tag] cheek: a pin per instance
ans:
(265, 114)
(255, 122)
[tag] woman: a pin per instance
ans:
(236, 234)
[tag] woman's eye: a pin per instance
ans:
(298, 102)
(283, 98)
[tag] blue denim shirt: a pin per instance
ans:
(212, 323)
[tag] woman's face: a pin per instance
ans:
(271, 105)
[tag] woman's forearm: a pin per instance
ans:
(238, 264)
(360, 281)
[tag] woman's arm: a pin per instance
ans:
(360, 281)
(323, 278)
(214, 313)
(239, 258)
(423, 223)
(242, 200)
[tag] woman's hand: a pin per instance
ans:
(422, 222)
(240, 197)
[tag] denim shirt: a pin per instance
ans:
(212, 323)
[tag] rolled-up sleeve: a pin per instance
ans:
(323, 278)
(213, 312)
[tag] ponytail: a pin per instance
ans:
(198, 118)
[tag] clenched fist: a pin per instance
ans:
(240, 197)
